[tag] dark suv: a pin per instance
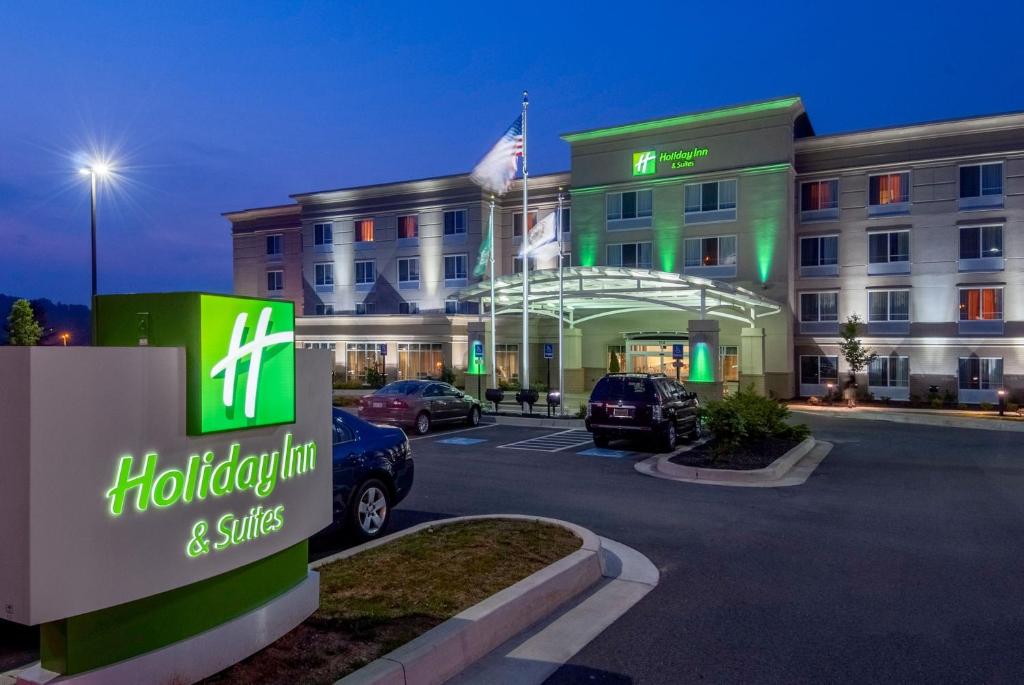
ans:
(634, 405)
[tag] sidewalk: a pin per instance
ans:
(952, 418)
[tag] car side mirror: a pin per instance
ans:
(460, 394)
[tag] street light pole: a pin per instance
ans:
(92, 198)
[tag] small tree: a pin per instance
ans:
(22, 327)
(856, 355)
(613, 365)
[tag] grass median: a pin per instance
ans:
(377, 600)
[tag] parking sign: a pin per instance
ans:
(677, 351)
(478, 350)
(549, 350)
(383, 350)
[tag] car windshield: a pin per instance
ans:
(635, 388)
(400, 388)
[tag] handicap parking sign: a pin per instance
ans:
(549, 350)
(677, 351)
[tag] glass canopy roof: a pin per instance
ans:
(598, 291)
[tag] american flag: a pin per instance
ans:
(496, 170)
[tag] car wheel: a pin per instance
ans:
(694, 434)
(422, 425)
(601, 440)
(370, 511)
(668, 438)
(474, 417)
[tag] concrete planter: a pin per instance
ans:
(772, 475)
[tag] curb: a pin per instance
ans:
(770, 476)
(446, 650)
(539, 422)
(993, 424)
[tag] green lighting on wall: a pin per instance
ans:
(655, 124)
(667, 240)
(477, 365)
(587, 246)
(701, 370)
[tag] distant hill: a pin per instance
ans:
(55, 318)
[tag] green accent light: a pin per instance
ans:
(681, 120)
(87, 641)
(477, 365)
(701, 370)
(749, 171)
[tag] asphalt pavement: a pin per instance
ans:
(899, 560)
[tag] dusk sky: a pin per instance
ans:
(210, 107)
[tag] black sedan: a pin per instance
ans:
(373, 471)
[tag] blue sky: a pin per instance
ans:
(211, 107)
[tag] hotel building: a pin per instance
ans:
(735, 233)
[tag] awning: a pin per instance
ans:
(594, 292)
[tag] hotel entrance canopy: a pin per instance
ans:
(598, 291)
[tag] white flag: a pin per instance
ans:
(542, 234)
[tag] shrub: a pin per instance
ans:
(745, 417)
(346, 401)
(985, 406)
(447, 375)
(511, 384)
(1012, 406)
(936, 403)
(581, 412)
(374, 378)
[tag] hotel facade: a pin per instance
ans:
(736, 235)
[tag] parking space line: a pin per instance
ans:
(441, 435)
(552, 442)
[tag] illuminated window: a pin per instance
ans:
(517, 223)
(819, 200)
(889, 305)
(420, 360)
(275, 281)
(716, 251)
(818, 369)
(980, 373)
(729, 359)
(633, 255)
(365, 272)
(274, 245)
(455, 222)
(819, 307)
(889, 189)
(981, 304)
(711, 201)
(408, 271)
(364, 231)
(408, 227)
(507, 361)
(359, 357)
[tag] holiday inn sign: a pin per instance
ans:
(645, 162)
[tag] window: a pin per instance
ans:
(517, 264)
(632, 209)
(634, 255)
(819, 256)
(323, 237)
(517, 223)
(408, 307)
(889, 193)
(619, 352)
(340, 432)
(889, 305)
(980, 373)
(819, 307)
(324, 276)
(566, 221)
(889, 253)
(409, 272)
(365, 272)
(419, 360)
(817, 371)
(359, 357)
(319, 346)
(451, 306)
(506, 361)
(408, 227)
(729, 360)
(455, 222)
(890, 377)
(981, 185)
(819, 200)
(455, 267)
(981, 248)
(981, 304)
(711, 251)
(275, 281)
(566, 258)
(712, 201)
(364, 308)
(364, 231)
(274, 245)
(324, 310)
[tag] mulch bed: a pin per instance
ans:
(746, 458)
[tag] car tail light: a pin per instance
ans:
(590, 406)
(656, 412)
(399, 404)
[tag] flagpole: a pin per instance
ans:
(524, 353)
(561, 359)
(494, 330)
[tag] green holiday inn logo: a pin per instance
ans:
(645, 162)
(247, 363)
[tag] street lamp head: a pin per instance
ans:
(99, 169)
